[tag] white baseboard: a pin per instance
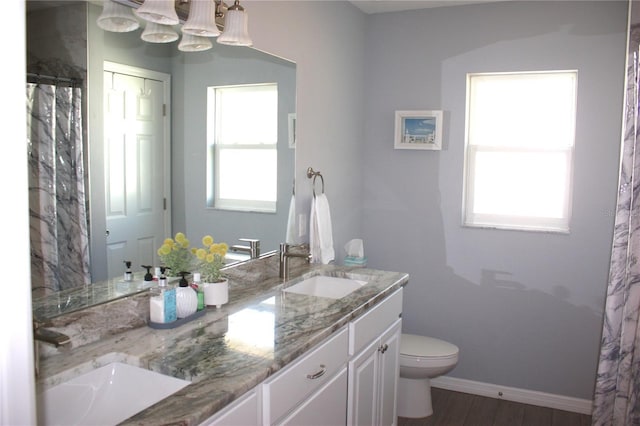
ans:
(542, 399)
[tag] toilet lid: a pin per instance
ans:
(423, 346)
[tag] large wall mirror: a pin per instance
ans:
(61, 40)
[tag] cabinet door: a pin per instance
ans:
(389, 374)
(243, 412)
(326, 407)
(363, 386)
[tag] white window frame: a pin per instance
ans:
(473, 150)
(214, 147)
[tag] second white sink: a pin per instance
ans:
(105, 396)
(329, 287)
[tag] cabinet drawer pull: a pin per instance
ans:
(383, 348)
(319, 373)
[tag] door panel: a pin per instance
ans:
(363, 384)
(134, 170)
(390, 374)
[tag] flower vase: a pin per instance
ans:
(216, 294)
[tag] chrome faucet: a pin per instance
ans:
(285, 254)
(41, 334)
(253, 248)
(50, 336)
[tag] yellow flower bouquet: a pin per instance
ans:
(175, 255)
(209, 259)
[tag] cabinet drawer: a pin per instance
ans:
(328, 406)
(369, 326)
(293, 384)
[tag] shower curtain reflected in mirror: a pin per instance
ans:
(57, 210)
(617, 392)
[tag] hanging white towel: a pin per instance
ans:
(291, 222)
(320, 232)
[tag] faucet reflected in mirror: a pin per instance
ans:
(42, 334)
(69, 28)
(253, 249)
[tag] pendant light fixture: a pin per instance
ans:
(161, 16)
(117, 18)
(158, 11)
(236, 27)
(202, 19)
(158, 33)
(191, 43)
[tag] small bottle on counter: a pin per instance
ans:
(199, 288)
(128, 275)
(148, 276)
(162, 303)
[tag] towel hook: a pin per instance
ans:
(314, 174)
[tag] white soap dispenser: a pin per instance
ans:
(186, 298)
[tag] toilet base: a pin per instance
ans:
(414, 398)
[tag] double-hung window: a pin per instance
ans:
(519, 150)
(242, 137)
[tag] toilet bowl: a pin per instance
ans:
(421, 359)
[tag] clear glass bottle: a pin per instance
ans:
(128, 275)
(162, 303)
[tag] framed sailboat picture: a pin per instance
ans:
(418, 130)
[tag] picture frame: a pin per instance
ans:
(418, 130)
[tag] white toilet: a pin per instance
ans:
(421, 359)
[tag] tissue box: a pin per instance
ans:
(355, 261)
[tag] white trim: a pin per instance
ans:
(17, 381)
(525, 396)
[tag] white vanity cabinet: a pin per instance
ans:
(374, 342)
(313, 390)
(351, 378)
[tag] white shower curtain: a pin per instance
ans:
(57, 210)
(617, 393)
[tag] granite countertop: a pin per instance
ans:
(230, 350)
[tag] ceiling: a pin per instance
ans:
(382, 6)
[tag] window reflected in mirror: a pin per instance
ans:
(242, 138)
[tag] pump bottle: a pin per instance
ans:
(186, 298)
(162, 303)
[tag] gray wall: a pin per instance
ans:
(192, 74)
(525, 308)
(326, 40)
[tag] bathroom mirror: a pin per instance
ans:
(191, 74)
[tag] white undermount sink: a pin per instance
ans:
(326, 286)
(105, 396)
